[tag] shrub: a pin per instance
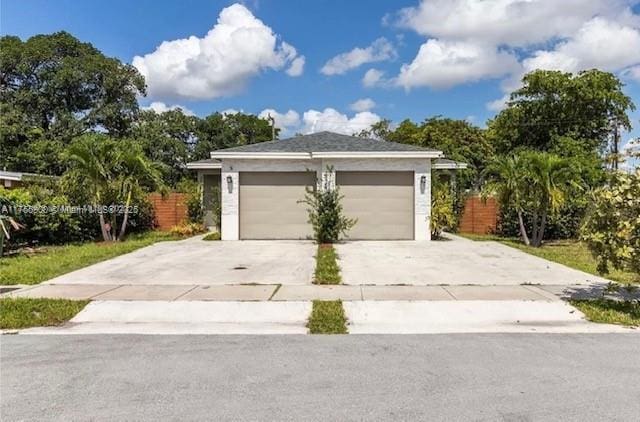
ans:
(193, 201)
(325, 214)
(212, 236)
(442, 210)
(612, 227)
(188, 229)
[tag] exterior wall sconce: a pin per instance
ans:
(230, 183)
(423, 183)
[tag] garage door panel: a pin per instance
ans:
(269, 207)
(381, 201)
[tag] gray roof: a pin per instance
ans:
(327, 142)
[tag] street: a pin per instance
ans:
(513, 377)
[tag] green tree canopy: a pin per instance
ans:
(551, 105)
(218, 131)
(54, 88)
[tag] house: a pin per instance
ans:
(385, 185)
(15, 179)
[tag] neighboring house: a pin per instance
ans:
(15, 179)
(385, 185)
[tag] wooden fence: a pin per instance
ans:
(170, 210)
(479, 217)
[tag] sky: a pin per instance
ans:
(343, 65)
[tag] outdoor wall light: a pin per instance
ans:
(230, 183)
(423, 183)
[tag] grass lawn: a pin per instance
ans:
(327, 317)
(52, 261)
(327, 269)
(571, 253)
(20, 312)
(610, 311)
(212, 236)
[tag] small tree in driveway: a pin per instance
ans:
(325, 213)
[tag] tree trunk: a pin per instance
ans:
(103, 228)
(125, 219)
(523, 230)
(537, 241)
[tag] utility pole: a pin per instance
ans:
(273, 126)
(615, 146)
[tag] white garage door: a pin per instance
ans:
(381, 201)
(269, 207)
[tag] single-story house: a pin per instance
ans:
(386, 186)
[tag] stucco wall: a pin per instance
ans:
(232, 168)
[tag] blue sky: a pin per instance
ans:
(436, 57)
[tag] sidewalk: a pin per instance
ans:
(286, 293)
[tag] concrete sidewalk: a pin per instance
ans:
(286, 293)
(470, 316)
(195, 317)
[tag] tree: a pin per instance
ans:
(54, 88)
(612, 227)
(554, 104)
(167, 138)
(533, 183)
(116, 170)
(218, 131)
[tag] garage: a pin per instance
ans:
(269, 207)
(381, 201)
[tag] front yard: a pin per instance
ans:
(51, 261)
(17, 313)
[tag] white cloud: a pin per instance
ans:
(221, 63)
(632, 73)
(599, 43)
(230, 111)
(443, 64)
(504, 22)
(313, 121)
(297, 67)
(160, 107)
(287, 122)
(472, 40)
(363, 104)
(372, 77)
(332, 120)
(380, 50)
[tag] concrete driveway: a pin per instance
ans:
(455, 261)
(195, 261)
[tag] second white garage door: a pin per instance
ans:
(269, 207)
(381, 201)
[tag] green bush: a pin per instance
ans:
(612, 227)
(193, 192)
(325, 214)
(212, 236)
(442, 210)
(49, 226)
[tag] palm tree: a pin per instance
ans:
(505, 180)
(533, 183)
(114, 169)
(550, 177)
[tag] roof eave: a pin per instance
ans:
(450, 166)
(204, 166)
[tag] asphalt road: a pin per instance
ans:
(513, 377)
